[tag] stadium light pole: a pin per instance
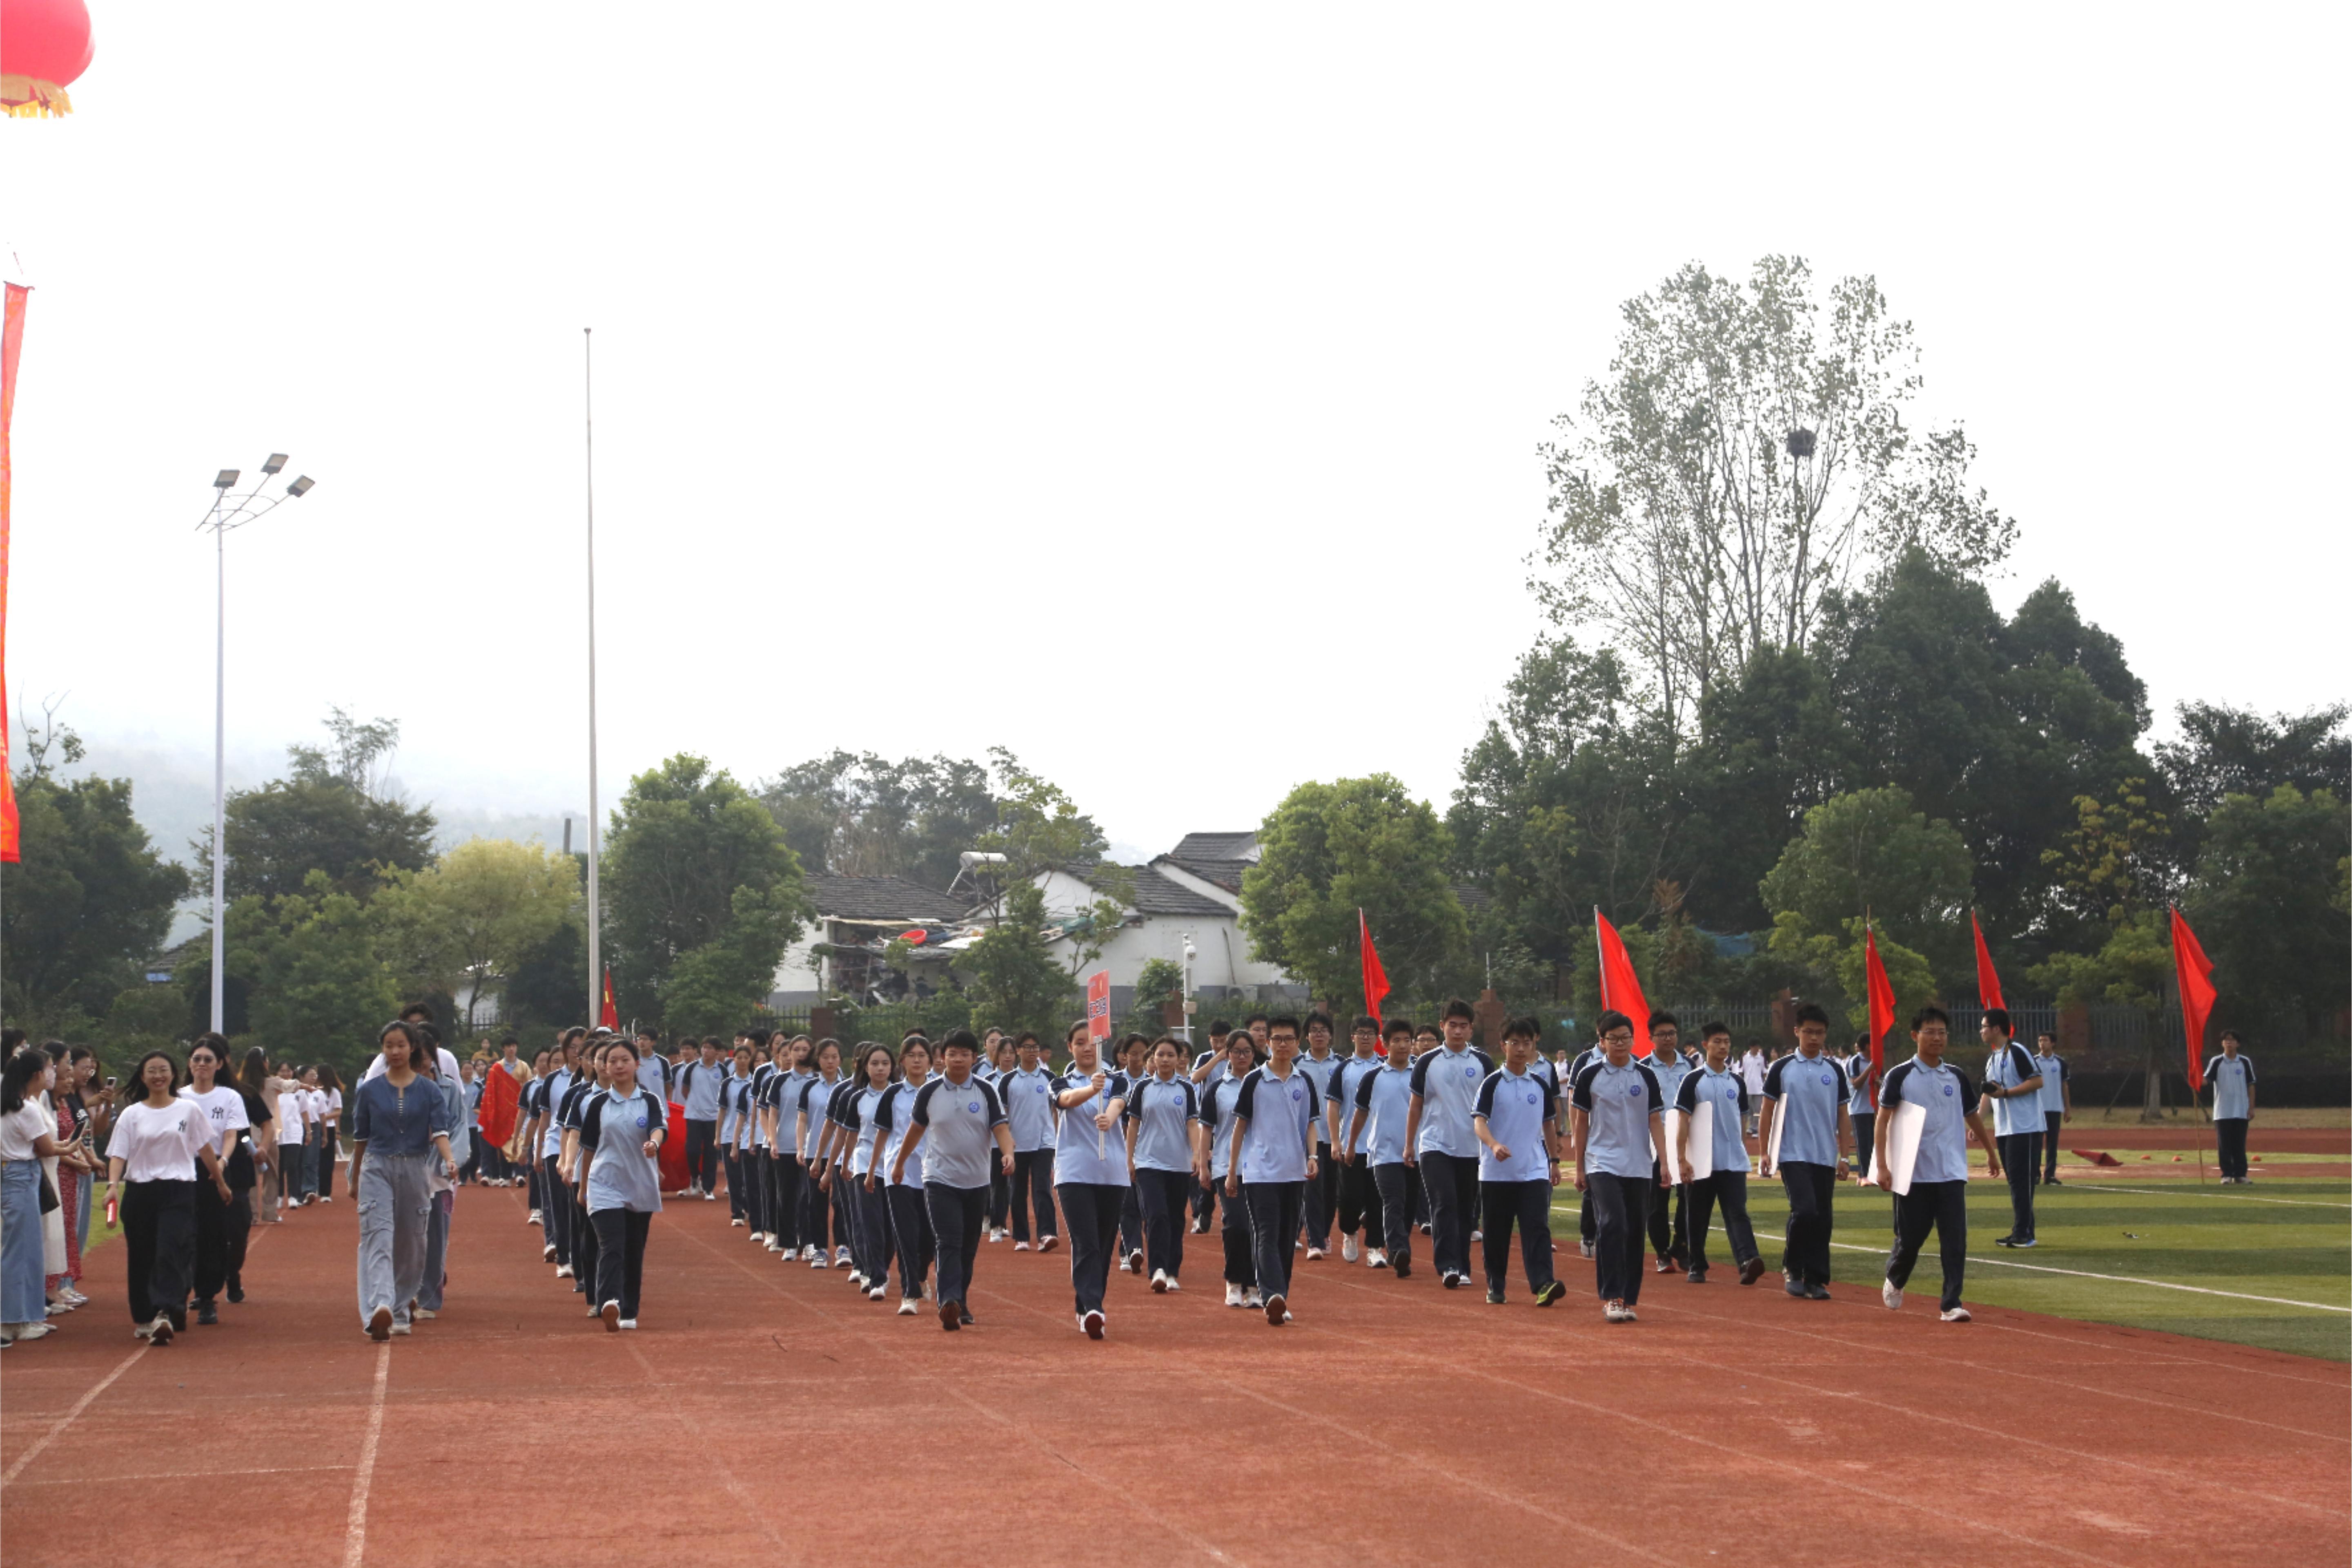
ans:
(231, 510)
(596, 906)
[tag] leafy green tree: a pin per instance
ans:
(1870, 852)
(280, 833)
(702, 894)
(2265, 904)
(1038, 828)
(463, 925)
(2133, 968)
(863, 815)
(549, 988)
(88, 905)
(2114, 862)
(2225, 751)
(1015, 977)
(1838, 966)
(310, 985)
(1329, 850)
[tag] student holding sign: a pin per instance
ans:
(1091, 1177)
(1927, 1114)
(1804, 1143)
(1712, 1155)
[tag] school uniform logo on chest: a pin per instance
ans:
(1632, 1089)
(972, 1106)
(641, 1121)
(1827, 1082)
(1296, 1092)
(1471, 1073)
(1948, 1091)
(1531, 1096)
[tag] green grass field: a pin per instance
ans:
(2285, 1238)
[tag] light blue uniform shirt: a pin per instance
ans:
(1321, 1074)
(1281, 1111)
(734, 1103)
(815, 1095)
(2231, 1077)
(958, 1146)
(700, 1085)
(653, 1073)
(1217, 1110)
(1447, 1084)
(2010, 1065)
(1947, 1098)
(613, 1131)
(761, 1076)
(892, 1115)
(1726, 1094)
(1811, 1096)
(1028, 1099)
(558, 1084)
(1084, 1152)
(1669, 1068)
(1857, 1083)
(2053, 1069)
(1517, 1108)
(1386, 1098)
(1345, 1083)
(1618, 1103)
(858, 1115)
(1165, 1115)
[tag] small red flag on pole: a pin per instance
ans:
(608, 1015)
(1620, 987)
(1988, 982)
(11, 343)
(1882, 1008)
(2197, 994)
(1376, 979)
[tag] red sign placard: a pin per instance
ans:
(1098, 1005)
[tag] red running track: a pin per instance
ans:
(765, 1415)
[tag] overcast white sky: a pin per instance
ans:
(1153, 391)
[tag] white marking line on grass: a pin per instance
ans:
(2122, 1279)
(355, 1522)
(67, 1419)
(2239, 1198)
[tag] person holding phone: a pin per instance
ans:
(400, 1124)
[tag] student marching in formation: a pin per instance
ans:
(956, 1119)
(1718, 1084)
(1357, 1211)
(1517, 1121)
(782, 1114)
(806, 1116)
(699, 1087)
(1441, 1143)
(1669, 1231)
(1323, 1192)
(1164, 1159)
(910, 1220)
(2013, 1083)
(1861, 1099)
(1617, 1117)
(998, 1061)
(1272, 1160)
(1939, 1198)
(1377, 1126)
(212, 1089)
(869, 1207)
(1804, 1132)
(620, 1141)
(1221, 1094)
(2057, 1101)
(1134, 1065)
(1091, 1178)
(2232, 1078)
(586, 1248)
(734, 1129)
(1027, 1092)
(547, 1137)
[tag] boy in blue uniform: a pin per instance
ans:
(1669, 1231)
(1804, 1134)
(2014, 1084)
(1716, 1083)
(1518, 1121)
(1938, 1200)
(1376, 1134)
(2057, 1101)
(1441, 1142)
(2231, 1076)
(954, 1122)
(1360, 1200)
(1274, 1159)
(1618, 1119)
(1323, 1192)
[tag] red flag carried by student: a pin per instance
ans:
(12, 342)
(1988, 982)
(2197, 994)
(608, 1015)
(1619, 988)
(1882, 1007)
(500, 1093)
(1376, 979)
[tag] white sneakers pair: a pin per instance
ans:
(1889, 1293)
(1618, 1313)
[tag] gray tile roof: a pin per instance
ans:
(1215, 847)
(1159, 895)
(881, 899)
(1226, 874)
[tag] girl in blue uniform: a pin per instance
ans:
(1090, 1175)
(805, 1115)
(1134, 1056)
(870, 1211)
(1163, 1120)
(1219, 1095)
(910, 1223)
(621, 1136)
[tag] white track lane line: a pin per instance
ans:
(67, 1419)
(355, 1522)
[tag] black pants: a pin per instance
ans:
(772, 1178)
(1092, 1209)
(159, 1235)
(844, 1232)
(1163, 1194)
(1322, 1198)
(788, 1202)
(1805, 1250)
(1728, 1188)
(2051, 1121)
(873, 1249)
(702, 1156)
(1669, 1223)
(2020, 1162)
(240, 1234)
(815, 1209)
(1584, 1231)
(1204, 1204)
(753, 1173)
(1941, 1207)
(1241, 1258)
(910, 1228)
(620, 1257)
(1360, 1202)
(1865, 1128)
(554, 1210)
(2230, 1141)
(1130, 1222)
(956, 1217)
(531, 1180)
(586, 1247)
(1000, 1195)
(732, 1163)
(1621, 1209)
(1452, 1181)
(1395, 1185)
(1528, 1205)
(1033, 1186)
(210, 1269)
(1274, 1213)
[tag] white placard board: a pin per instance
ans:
(1702, 1140)
(1779, 1121)
(1904, 1125)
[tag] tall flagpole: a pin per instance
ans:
(595, 910)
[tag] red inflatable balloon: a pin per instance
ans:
(45, 46)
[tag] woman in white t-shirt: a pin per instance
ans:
(293, 1118)
(213, 1087)
(151, 1165)
(27, 1136)
(325, 1140)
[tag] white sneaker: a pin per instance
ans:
(1020, 1247)
(809, 1251)
(1277, 1314)
(710, 1197)
(532, 1218)
(927, 1288)
(1233, 1295)
(563, 1271)
(1957, 1315)
(1890, 1294)
(1253, 1300)
(611, 1312)
(841, 1257)
(1347, 1249)
(772, 1244)
(1375, 1259)
(1584, 1250)
(1314, 1255)
(761, 1236)
(1091, 1324)
(547, 1252)
(426, 1312)
(874, 1293)
(628, 1322)
(820, 1263)
(1172, 1286)
(1047, 1243)
(1477, 1235)
(398, 1327)
(1159, 1281)
(735, 1224)
(1122, 1264)
(856, 1281)
(1614, 1311)
(907, 1308)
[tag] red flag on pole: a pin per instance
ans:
(1376, 979)
(1881, 1006)
(1988, 982)
(12, 342)
(500, 1093)
(2197, 994)
(1619, 988)
(608, 1015)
